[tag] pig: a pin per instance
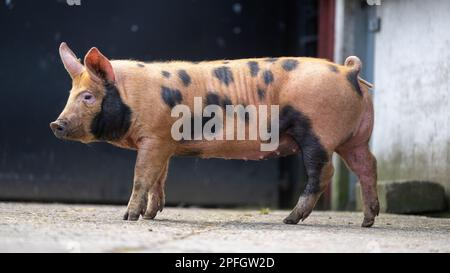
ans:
(324, 108)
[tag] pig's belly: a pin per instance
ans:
(247, 150)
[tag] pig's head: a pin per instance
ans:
(94, 110)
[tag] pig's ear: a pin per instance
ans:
(98, 66)
(70, 61)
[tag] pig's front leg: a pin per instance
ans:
(156, 195)
(151, 163)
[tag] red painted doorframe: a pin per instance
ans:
(326, 29)
(325, 49)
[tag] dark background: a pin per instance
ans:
(34, 86)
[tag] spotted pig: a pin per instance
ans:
(323, 108)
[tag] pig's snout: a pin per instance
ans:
(59, 128)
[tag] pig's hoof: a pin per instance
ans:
(156, 204)
(291, 221)
(374, 210)
(302, 210)
(368, 222)
(133, 213)
(151, 212)
(130, 216)
(296, 215)
(150, 215)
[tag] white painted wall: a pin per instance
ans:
(412, 96)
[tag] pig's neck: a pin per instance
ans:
(135, 82)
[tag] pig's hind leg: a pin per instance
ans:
(356, 154)
(318, 180)
(362, 162)
(316, 158)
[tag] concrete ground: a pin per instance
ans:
(94, 228)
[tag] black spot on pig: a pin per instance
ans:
(289, 64)
(261, 94)
(268, 77)
(114, 118)
(297, 125)
(333, 68)
(224, 74)
(352, 77)
(254, 68)
(140, 65)
(226, 101)
(170, 96)
(184, 76)
(226, 62)
(165, 74)
(212, 98)
(271, 60)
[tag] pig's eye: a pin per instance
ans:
(88, 97)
